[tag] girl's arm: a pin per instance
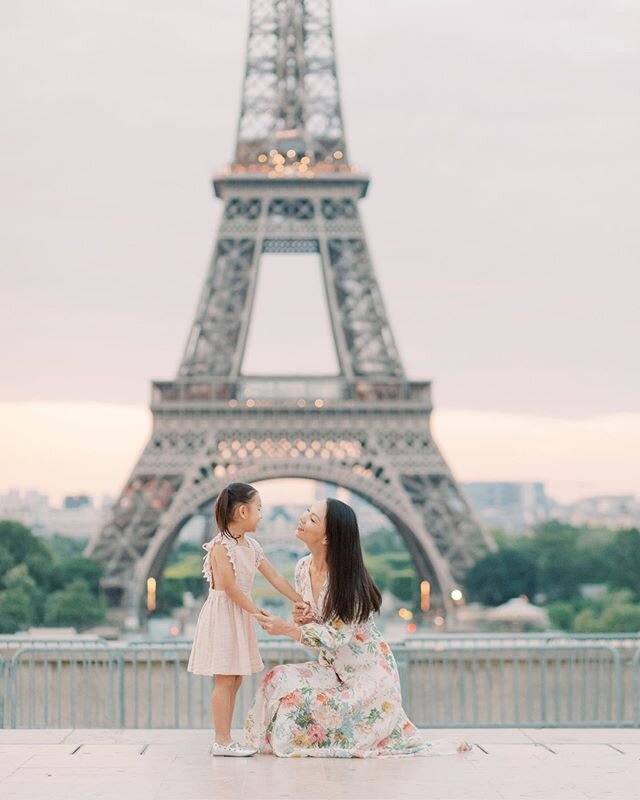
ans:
(278, 582)
(226, 579)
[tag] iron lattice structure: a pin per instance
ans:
(290, 189)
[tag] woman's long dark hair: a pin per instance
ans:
(352, 595)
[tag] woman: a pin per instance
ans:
(348, 703)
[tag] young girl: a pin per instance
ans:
(225, 642)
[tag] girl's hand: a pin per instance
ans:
(274, 626)
(302, 613)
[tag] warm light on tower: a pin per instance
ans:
(151, 594)
(425, 595)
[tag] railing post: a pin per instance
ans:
(635, 684)
(401, 655)
(121, 689)
(3, 689)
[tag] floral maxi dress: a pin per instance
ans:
(346, 704)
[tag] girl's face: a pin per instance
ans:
(248, 515)
(311, 525)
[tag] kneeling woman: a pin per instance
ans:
(348, 702)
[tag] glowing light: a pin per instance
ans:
(338, 154)
(412, 627)
(291, 153)
(305, 160)
(301, 403)
(318, 403)
(251, 402)
(174, 630)
(151, 594)
(456, 595)
(262, 158)
(425, 595)
(438, 621)
(404, 613)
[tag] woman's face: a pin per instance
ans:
(311, 525)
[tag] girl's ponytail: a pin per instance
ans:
(233, 495)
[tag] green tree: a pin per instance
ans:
(499, 576)
(63, 548)
(74, 605)
(169, 594)
(379, 570)
(560, 569)
(78, 568)
(6, 562)
(383, 542)
(20, 601)
(404, 585)
(34, 570)
(562, 615)
(615, 613)
(624, 561)
(16, 611)
(22, 545)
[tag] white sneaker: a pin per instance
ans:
(234, 749)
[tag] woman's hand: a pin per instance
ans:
(275, 626)
(302, 613)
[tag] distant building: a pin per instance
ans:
(77, 501)
(607, 511)
(517, 507)
(513, 507)
(78, 517)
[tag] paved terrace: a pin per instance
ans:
(509, 764)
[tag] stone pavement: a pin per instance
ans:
(509, 764)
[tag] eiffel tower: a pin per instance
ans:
(290, 189)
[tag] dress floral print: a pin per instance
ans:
(347, 704)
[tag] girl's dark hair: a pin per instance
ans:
(352, 595)
(232, 496)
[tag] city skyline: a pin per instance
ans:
(509, 272)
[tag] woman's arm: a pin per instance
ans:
(226, 579)
(278, 582)
(330, 635)
(319, 636)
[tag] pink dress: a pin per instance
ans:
(225, 640)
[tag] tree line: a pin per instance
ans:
(46, 581)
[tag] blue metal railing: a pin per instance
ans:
(447, 681)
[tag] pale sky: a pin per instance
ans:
(501, 138)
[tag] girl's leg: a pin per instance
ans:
(236, 686)
(222, 703)
(234, 692)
